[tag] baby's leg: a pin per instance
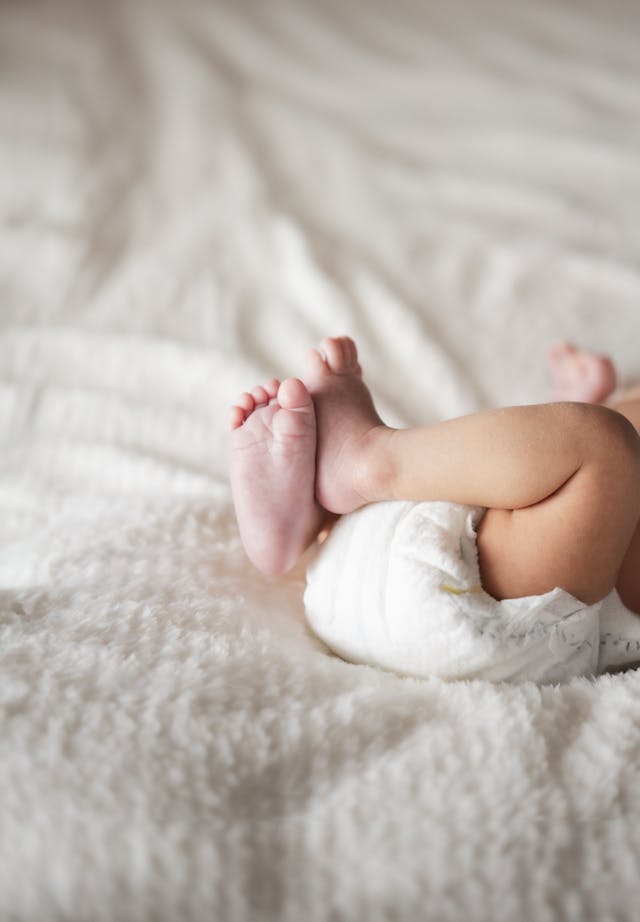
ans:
(561, 481)
(628, 581)
(578, 374)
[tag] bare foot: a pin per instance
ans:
(346, 421)
(272, 468)
(579, 375)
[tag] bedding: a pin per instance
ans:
(191, 194)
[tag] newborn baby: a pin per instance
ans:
(531, 512)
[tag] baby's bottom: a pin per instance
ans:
(397, 585)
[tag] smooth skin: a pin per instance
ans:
(561, 481)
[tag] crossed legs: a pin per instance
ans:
(561, 481)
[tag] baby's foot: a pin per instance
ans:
(272, 468)
(347, 423)
(579, 375)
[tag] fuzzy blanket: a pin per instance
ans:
(191, 194)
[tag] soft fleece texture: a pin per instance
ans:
(192, 194)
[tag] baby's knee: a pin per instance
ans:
(611, 470)
(620, 442)
(609, 437)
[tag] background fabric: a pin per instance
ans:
(191, 195)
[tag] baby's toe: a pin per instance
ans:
(315, 365)
(272, 387)
(236, 417)
(246, 402)
(331, 348)
(260, 395)
(350, 353)
(293, 395)
(559, 352)
(296, 415)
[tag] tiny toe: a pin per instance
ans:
(344, 352)
(352, 351)
(315, 363)
(236, 417)
(559, 350)
(272, 387)
(246, 401)
(349, 352)
(293, 395)
(331, 348)
(259, 394)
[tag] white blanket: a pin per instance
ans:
(192, 194)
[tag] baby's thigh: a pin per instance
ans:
(576, 539)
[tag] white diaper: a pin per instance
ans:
(397, 585)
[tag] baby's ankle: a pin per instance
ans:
(375, 466)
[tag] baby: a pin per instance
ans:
(559, 483)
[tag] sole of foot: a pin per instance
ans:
(272, 451)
